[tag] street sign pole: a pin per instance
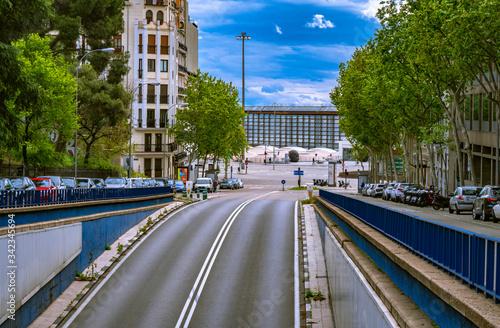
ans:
(299, 178)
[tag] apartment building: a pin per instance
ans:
(162, 42)
(286, 126)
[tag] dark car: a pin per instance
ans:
(463, 199)
(22, 183)
(483, 205)
(226, 184)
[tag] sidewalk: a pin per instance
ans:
(316, 281)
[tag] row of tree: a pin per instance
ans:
(39, 54)
(212, 126)
(406, 87)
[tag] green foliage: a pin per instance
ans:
(212, 125)
(119, 248)
(47, 110)
(108, 248)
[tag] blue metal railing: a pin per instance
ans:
(23, 198)
(470, 256)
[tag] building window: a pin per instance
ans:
(151, 65)
(139, 118)
(157, 141)
(151, 119)
(149, 16)
(163, 117)
(486, 113)
(139, 96)
(164, 94)
(151, 44)
(476, 105)
(159, 17)
(163, 65)
(139, 71)
(164, 45)
(147, 142)
(140, 43)
(151, 94)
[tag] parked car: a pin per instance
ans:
(57, 181)
(136, 183)
(240, 183)
(364, 191)
(149, 183)
(234, 181)
(22, 183)
(5, 184)
(99, 183)
(386, 194)
(398, 192)
(496, 212)
(85, 183)
(226, 184)
(161, 182)
(370, 189)
(69, 182)
(377, 190)
(482, 207)
(204, 183)
(115, 183)
(463, 199)
(178, 185)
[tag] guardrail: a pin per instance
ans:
(24, 198)
(470, 256)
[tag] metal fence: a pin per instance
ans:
(23, 198)
(470, 256)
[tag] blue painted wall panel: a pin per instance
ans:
(440, 312)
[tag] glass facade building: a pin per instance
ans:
(293, 126)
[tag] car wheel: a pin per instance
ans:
(450, 210)
(483, 215)
(495, 220)
(474, 215)
(457, 210)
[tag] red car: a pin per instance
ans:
(45, 184)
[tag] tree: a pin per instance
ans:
(102, 109)
(212, 124)
(19, 18)
(50, 110)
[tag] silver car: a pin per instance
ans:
(463, 198)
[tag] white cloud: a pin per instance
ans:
(320, 21)
(365, 8)
(278, 29)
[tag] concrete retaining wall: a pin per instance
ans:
(50, 253)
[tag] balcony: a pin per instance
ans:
(183, 69)
(164, 50)
(151, 48)
(151, 99)
(183, 47)
(182, 90)
(155, 148)
(151, 122)
(156, 2)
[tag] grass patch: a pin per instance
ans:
(311, 200)
(301, 188)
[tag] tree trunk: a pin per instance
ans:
(393, 164)
(467, 146)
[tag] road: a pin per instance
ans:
(226, 262)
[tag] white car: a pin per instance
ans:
(240, 183)
(496, 212)
(204, 183)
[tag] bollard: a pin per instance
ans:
(184, 193)
(198, 193)
(205, 194)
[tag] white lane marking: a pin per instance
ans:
(296, 267)
(209, 261)
(108, 276)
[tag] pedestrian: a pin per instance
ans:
(313, 160)
(362, 184)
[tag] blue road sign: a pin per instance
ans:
(283, 181)
(298, 172)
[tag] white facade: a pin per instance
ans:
(156, 35)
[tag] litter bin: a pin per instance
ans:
(204, 193)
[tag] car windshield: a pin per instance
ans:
(495, 191)
(470, 191)
(203, 181)
(69, 182)
(160, 183)
(80, 183)
(232, 180)
(17, 182)
(136, 183)
(179, 183)
(115, 181)
(56, 180)
(42, 183)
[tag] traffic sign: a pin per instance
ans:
(298, 172)
(283, 181)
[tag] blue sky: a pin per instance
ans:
(295, 49)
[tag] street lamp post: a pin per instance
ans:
(243, 37)
(274, 144)
(129, 173)
(165, 145)
(76, 99)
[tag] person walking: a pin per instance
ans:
(313, 161)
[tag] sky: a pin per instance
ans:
(295, 49)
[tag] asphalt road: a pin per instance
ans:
(225, 262)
